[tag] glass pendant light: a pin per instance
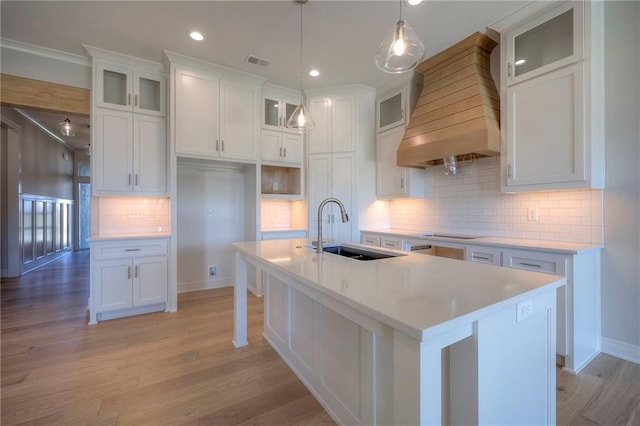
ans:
(66, 129)
(402, 51)
(300, 118)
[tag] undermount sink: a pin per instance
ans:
(456, 236)
(358, 253)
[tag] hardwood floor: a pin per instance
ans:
(181, 368)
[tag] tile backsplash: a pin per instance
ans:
(122, 215)
(275, 215)
(470, 202)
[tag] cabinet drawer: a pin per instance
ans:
(488, 255)
(120, 249)
(372, 240)
(535, 261)
(392, 243)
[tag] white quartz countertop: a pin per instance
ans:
(422, 296)
(128, 236)
(517, 243)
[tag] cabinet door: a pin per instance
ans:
(320, 136)
(343, 124)
(114, 86)
(292, 148)
(271, 146)
(113, 285)
(197, 113)
(149, 280)
(287, 107)
(271, 116)
(238, 120)
(113, 148)
(319, 188)
(548, 42)
(391, 180)
(150, 156)
(343, 167)
(150, 93)
(390, 110)
(545, 129)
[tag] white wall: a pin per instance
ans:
(621, 256)
(210, 216)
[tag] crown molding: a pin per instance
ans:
(45, 52)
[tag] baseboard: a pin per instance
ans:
(621, 350)
(204, 285)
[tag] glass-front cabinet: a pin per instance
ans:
(551, 41)
(276, 110)
(390, 110)
(127, 89)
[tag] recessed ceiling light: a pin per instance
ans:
(314, 73)
(414, 2)
(196, 35)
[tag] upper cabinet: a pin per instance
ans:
(390, 109)
(335, 118)
(216, 116)
(277, 106)
(128, 89)
(128, 131)
(279, 144)
(552, 97)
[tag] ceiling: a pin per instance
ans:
(51, 121)
(340, 38)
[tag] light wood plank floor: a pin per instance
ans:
(181, 368)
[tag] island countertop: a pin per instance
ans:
(421, 296)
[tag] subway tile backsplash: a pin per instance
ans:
(275, 215)
(123, 215)
(471, 203)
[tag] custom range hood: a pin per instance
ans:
(457, 116)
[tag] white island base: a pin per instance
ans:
(490, 366)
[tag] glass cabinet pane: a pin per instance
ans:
(271, 112)
(390, 110)
(149, 94)
(289, 110)
(542, 45)
(115, 87)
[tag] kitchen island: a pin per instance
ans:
(410, 339)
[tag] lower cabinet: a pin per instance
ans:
(128, 278)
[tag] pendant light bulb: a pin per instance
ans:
(66, 129)
(401, 52)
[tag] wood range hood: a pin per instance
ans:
(458, 111)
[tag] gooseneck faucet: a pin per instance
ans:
(343, 214)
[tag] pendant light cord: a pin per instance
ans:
(300, 66)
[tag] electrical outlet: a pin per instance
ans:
(276, 186)
(524, 310)
(532, 215)
(213, 270)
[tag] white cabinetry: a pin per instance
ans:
(215, 117)
(341, 160)
(277, 106)
(129, 143)
(552, 93)
(128, 277)
(480, 254)
(393, 181)
(281, 148)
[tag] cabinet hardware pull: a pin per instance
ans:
(533, 265)
(217, 145)
(402, 183)
(128, 98)
(401, 113)
(479, 257)
(509, 69)
(129, 179)
(222, 146)
(136, 99)
(128, 272)
(135, 272)
(134, 249)
(280, 151)
(285, 152)
(509, 171)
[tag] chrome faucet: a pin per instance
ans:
(343, 214)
